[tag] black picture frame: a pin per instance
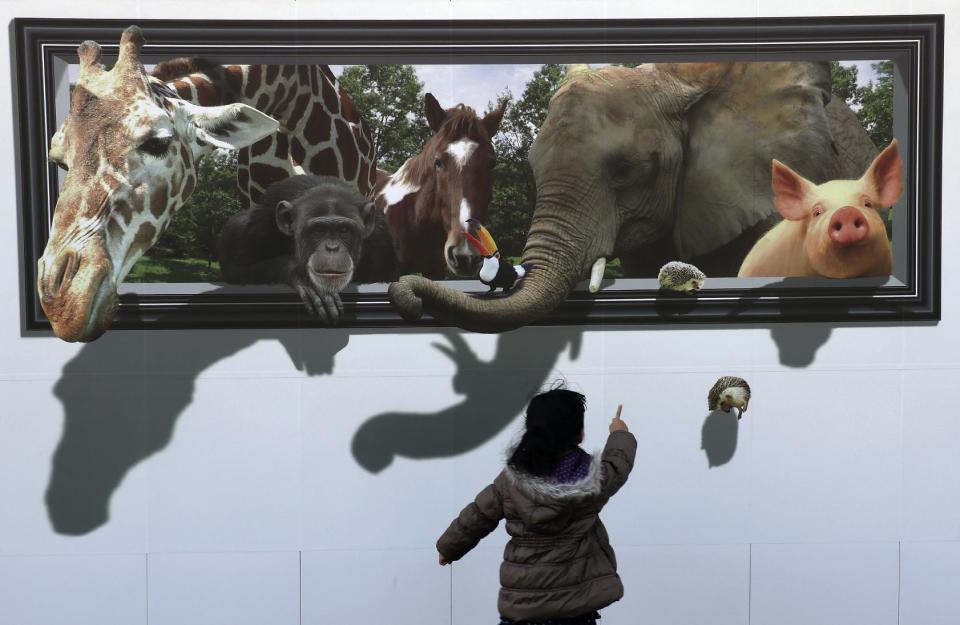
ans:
(919, 38)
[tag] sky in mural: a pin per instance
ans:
(479, 85)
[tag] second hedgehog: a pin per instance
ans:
(729, 392)
(683, 277)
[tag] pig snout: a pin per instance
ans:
(848, 226)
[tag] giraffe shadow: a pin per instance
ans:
(123, 394)
(113, 422)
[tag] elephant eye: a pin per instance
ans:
(438, 163)
(627, 170)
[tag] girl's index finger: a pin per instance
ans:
(619, 410)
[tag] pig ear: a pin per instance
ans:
(885, 174)
(789, 192)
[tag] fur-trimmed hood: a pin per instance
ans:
(543, 489)
(558, 562)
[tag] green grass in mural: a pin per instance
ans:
(150, 269)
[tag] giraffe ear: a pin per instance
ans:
(232, 126)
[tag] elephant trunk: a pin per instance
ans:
(561, 246)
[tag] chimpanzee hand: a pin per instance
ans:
(326, 305)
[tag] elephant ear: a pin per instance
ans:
(694, 80)
(756, 113)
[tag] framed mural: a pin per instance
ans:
(168, 172)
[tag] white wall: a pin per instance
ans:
(219, 471)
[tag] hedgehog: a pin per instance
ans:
(682, 277)
(729, 392)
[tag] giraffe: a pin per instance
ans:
(321, 132)
(131, 143)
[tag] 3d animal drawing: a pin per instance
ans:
(495, 271)
(131, 143)
(683, 277)
(429, 198)
(729, 392)
(833, 229)
(664, 161)
(315, 233)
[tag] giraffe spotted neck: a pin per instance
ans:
(131, 144)
(321, 131)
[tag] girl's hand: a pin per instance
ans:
(443, 561)
(617, 425)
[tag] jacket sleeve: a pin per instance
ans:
(479, 518)
(616, 462)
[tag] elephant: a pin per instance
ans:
(664, 161)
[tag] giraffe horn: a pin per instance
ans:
(130, 43)
(89, 53)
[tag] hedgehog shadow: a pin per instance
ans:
(718, 437)
(669, 303)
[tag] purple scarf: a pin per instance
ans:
(572, 467)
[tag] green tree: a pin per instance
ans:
(193, 231)
(872, 103)
(844, 82)
(876, 105)
(390, 97)
(514, 189)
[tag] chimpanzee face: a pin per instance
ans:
(328, 225)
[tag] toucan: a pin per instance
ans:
(494, 272)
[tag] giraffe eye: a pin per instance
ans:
(60, 164)
(155, 146)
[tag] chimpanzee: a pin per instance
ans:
(315, 233)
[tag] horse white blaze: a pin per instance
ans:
(464, 211)
(461, 151)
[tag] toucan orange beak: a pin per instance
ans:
(477, 245)
(481, 239)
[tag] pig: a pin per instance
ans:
(832, 230)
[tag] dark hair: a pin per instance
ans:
(553, 424)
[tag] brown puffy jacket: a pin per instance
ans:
(558, 563)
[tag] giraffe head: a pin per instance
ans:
(130, 147)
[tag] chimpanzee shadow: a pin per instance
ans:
(495, 393)
(718, 437)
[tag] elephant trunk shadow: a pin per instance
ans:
(495, 393)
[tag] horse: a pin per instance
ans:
(428, 200)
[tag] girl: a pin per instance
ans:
(558, 567)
